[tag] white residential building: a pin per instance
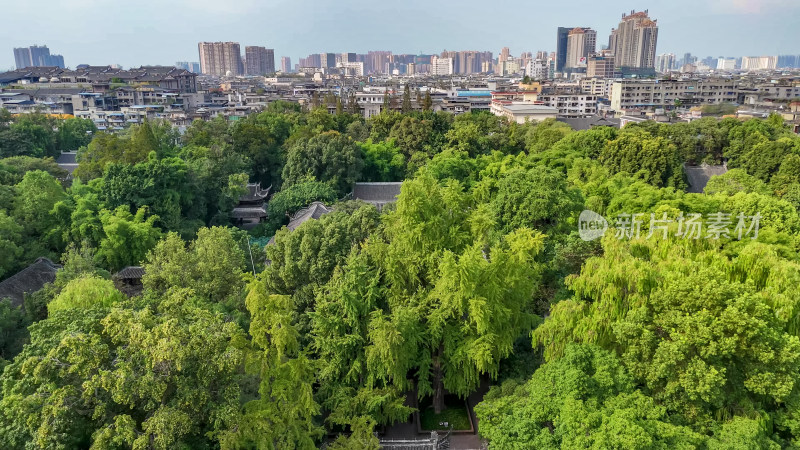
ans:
(352, 68)
(537, 69)
(647, 94)
(759, 62)
(441, 66)
(726, 64)
(599, 87)
(571, 105)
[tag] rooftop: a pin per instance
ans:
(28, 280)
(377, 192)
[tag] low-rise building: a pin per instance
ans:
(522, 112)
(649, 94)
(572, 105)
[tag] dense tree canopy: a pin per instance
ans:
(322, 334)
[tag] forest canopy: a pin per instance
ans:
(476, 276)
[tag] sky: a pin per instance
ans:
(148, 32)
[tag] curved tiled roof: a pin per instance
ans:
(28, 280)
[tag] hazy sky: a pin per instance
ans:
(133, 33)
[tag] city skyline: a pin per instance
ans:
(416, 27)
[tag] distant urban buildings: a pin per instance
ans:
(220, 58)
(789, 62)
(581, 43)
(259, 60)
(286, 64)
(441, 66)
(37, 56)
(600, 65)
(759, 62)
(562, 39)
(665, 62)
(726, 64)
(633, 42)
(193, 67)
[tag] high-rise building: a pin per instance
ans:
(561, 47)
(726, 64)
(759, 62)
(504, 54)
(376, 61)
(260, 60)
(634, 41)
(789, 62)
(349, 57)
(311, 61)
(468, 61)
(36, 56)
(220, 58)
(327, 60)
(441, 66)
(665, 62)
(581, 43)
(286, 64)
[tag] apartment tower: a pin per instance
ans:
(219, 58)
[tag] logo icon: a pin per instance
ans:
(591, 225)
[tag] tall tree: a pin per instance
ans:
(123, 378)
(406, 99)
(128, 237)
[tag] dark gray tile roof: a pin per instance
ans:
(248, 212)
(587, 123)
(28, 280)
(255, 193)
(698, 176)
(376, 192)
(313, 211)
(67, 158)
(130, 273)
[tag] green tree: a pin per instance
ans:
(536, 198)
(412, 135)
(330, 157)
(545, 134)
(161, 185)
(13, 169)
(427, 103)
(382, 161)
(10, 245)
(75, 133)
(13, 331)
(85, 293)
(457, 297)
(349, 388)
(666, 310)
(124, 378)
(212, 266)
(128, 237)
(104, 149)
(257, 143)
(36, 195)
(637, 151)
(297, 196)
(585, 399)
(406, 99)
(283, 415)
(733, 181)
